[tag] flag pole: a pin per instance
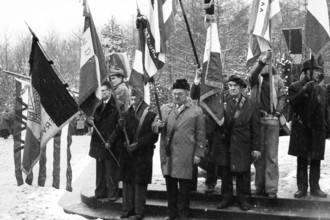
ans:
(152, 80)
(270, 67)
(190, 35)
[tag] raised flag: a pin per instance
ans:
(154, 26)
(293, 39)
(317, 25)
(264, 16)
(93, 71)
(50, 106)
(119, 60)
(212, 79)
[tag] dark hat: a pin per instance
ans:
(136, 92)
(238, 80)
(308, 63)
(181, 84)
(116, 72)
(266, 70)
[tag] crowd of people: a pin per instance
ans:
(123, 141)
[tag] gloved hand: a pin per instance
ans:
(256, 154)
(90, 121)
(197, 160)
(121, 123)
(266, 58)
(308, 88)
(108, 146)
(198, 76)
(131, 147)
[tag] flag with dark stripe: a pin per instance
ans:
(50, 106)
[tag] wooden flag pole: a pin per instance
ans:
(190, 35)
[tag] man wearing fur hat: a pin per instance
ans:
(271, 108)
(310, 128)
(242, 143)
(183, 140)
(117, 77)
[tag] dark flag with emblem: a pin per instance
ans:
(50, 106)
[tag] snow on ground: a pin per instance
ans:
(34, 202)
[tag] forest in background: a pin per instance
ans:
(232, 18)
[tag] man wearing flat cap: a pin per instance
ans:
(182, 144)
(270, 95)
(242, 143)
(310, 128)
(117, 77)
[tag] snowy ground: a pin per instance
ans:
(33, 202)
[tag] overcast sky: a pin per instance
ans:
(63, 16)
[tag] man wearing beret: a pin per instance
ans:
(270, 110)
(310, 128)
(117, 77)
(182, 129)
(242, 143)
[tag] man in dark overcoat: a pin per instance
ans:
(242, 145)
(310, 128)
(105, 120)
(136, 157)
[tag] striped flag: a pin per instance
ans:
(264, 14)
(212, 79)
(317, 25)
(155, 23)
(119, 60)
(50, 107)
(93, 71)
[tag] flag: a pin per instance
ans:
(119, 60)
(212, 79)
(265, 15)
(50, 106)
(317, 25)
(293, 38)
(155, 22)
(93, 71)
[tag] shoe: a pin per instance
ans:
(244, 204)
(223, 204)
(170, 218)
(300, 194)
(136, 217)
(126, 214)
(209, 190)
(272, 195)
(259, 193)
(113, 198)
(318, 193)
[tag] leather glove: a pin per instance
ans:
(266, 58)
(108, 146)
(131, 147)
(198, 76)
(256, 154)
(197, 160)
(90, 121)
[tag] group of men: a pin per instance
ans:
(124, 146)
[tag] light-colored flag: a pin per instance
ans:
(93, 71)
(265, 15)
(50, 106)
(317, 25)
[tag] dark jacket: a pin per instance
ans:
(310, 121)
(105, 121)
(214, 132)
(136, 167)
(243, 135)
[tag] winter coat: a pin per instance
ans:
(310, 121)
(243, 135)
(214, 132)
(136, 167)
(105, 121)
(188, 140)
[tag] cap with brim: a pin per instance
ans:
(116, 72)
(307, 65)
(181, 84)
(238, 80)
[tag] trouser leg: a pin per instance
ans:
(314, 174)
(42, 167)
(112, 177)
(172, 196)
(211, 174)
(194, 181)
(183, 197)
(140, 198)
(57, 161)
(18, 162)
(226, 181)
(302, 173)
(101, 184)
(128, 197)
(271, 156)
(260, 163)
(243, 184)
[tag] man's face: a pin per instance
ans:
(116, 80)
(180, 96)
(106, 93)
(235, 89)
(316, 75)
